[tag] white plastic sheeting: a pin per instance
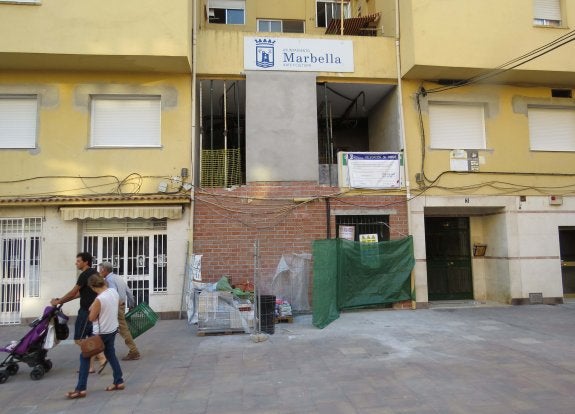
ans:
(291, 280)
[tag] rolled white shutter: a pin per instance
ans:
(547, 9)
(126, 122)
(456, 126)
(551, 129)
(18, 121)
(227, 4)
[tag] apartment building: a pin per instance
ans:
(243, 130)
(286, 92)
(95, 147)
(490, 127)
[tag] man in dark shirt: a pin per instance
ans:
(82, 327)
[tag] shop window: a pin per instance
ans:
(137, 250)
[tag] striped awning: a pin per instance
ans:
(141, 212)
(354, 26)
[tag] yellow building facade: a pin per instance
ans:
(489, 111)
(95, 147)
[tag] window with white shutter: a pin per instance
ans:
(547, 12)
(551, 129)
(456, 126)
(126, 121)
(18, 121)
(227, 11)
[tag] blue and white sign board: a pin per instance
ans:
(371, 169)
(298, 54)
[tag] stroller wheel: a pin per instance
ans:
(37, 372)
(3, 377)
(12, 368)
(47, 364)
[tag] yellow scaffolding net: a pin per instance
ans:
(221, 168)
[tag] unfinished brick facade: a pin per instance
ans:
(285, 217)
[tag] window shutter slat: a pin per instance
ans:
(547, 9)
(18, 120)
(126, 122)
(227, 4)
(552, 129)
(456, 126)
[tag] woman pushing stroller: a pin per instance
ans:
(103, 313)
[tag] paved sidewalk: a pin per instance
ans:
(471, 360)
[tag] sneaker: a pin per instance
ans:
(131, 357)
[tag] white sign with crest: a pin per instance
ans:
(298, 54)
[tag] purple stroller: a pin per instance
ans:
(30, 349)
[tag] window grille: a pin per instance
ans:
(137, 250)
(365, 224)
(20, 258)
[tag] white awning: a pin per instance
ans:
(158, 212)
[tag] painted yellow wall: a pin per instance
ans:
(477, 34)
(127, 28)
(220, 53)
(64, 129)
(507, 137)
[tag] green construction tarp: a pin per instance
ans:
(348, 274)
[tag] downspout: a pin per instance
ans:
(193, 132)
(402, 134)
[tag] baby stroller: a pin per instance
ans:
(33, 347)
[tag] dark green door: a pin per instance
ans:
(448, 258)
(567, 248)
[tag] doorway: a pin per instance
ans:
(567, 249)
(448, 258)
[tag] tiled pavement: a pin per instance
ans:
(455, 360)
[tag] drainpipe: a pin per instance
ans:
(341, 18)
(402, 132)
(193, 132)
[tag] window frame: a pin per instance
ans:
(281, 22)
(445, 143)
(32, 139)
(155, 140)
(539, 142)
(332, 4)
(548, 13)
(212, 10)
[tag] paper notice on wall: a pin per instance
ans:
(373, 170)
(347, 232)
(196, 267)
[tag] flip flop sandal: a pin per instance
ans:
(76, 394)
(116, 387)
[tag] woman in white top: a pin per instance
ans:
(104, 314)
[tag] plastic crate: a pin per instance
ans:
(140, 319)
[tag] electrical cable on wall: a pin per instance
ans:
(512, 64)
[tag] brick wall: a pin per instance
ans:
(228, 222)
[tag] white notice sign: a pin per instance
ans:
(373, 170)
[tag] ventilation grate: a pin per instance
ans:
(535, 298)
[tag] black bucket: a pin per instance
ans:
(267, 313)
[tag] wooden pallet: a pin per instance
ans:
(220, 332)
(284, 319)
